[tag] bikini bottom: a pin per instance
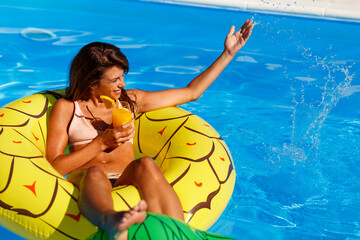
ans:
(113, 177)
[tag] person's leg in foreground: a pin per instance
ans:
(146, 176)
(96, 204)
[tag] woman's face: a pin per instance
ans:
(113, 79)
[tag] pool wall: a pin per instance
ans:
(344, 9)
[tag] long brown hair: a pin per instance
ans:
(88, 67)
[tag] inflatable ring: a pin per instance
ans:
(36, 202)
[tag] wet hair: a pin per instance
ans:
(89, 66)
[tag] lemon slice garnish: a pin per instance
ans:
(109, 102)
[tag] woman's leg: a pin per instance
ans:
(153, 187)
(96, 204)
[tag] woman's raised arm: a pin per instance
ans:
(147, 101)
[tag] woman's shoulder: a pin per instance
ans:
(132, 93)
(64, 102)
(63, 105)
(135, 95)
(61, 114)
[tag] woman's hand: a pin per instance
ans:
(234, 42)
(113, 138)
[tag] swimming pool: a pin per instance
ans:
(287, 106)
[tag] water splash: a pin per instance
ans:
(317, 83)
(313, 100)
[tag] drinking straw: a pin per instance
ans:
(116, 100)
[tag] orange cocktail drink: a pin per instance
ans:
(121, 112)
(121, 116)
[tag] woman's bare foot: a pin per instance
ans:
(136, 215)
(117, 224)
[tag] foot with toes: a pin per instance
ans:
(117, 224)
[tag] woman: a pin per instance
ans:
(100, 152)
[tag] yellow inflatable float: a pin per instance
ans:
(36, 202)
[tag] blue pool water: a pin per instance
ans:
(287, 105)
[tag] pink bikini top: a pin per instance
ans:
(80, 131)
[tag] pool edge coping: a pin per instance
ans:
(330, 9)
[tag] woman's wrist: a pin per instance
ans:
(226, 55)
(100, 144)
